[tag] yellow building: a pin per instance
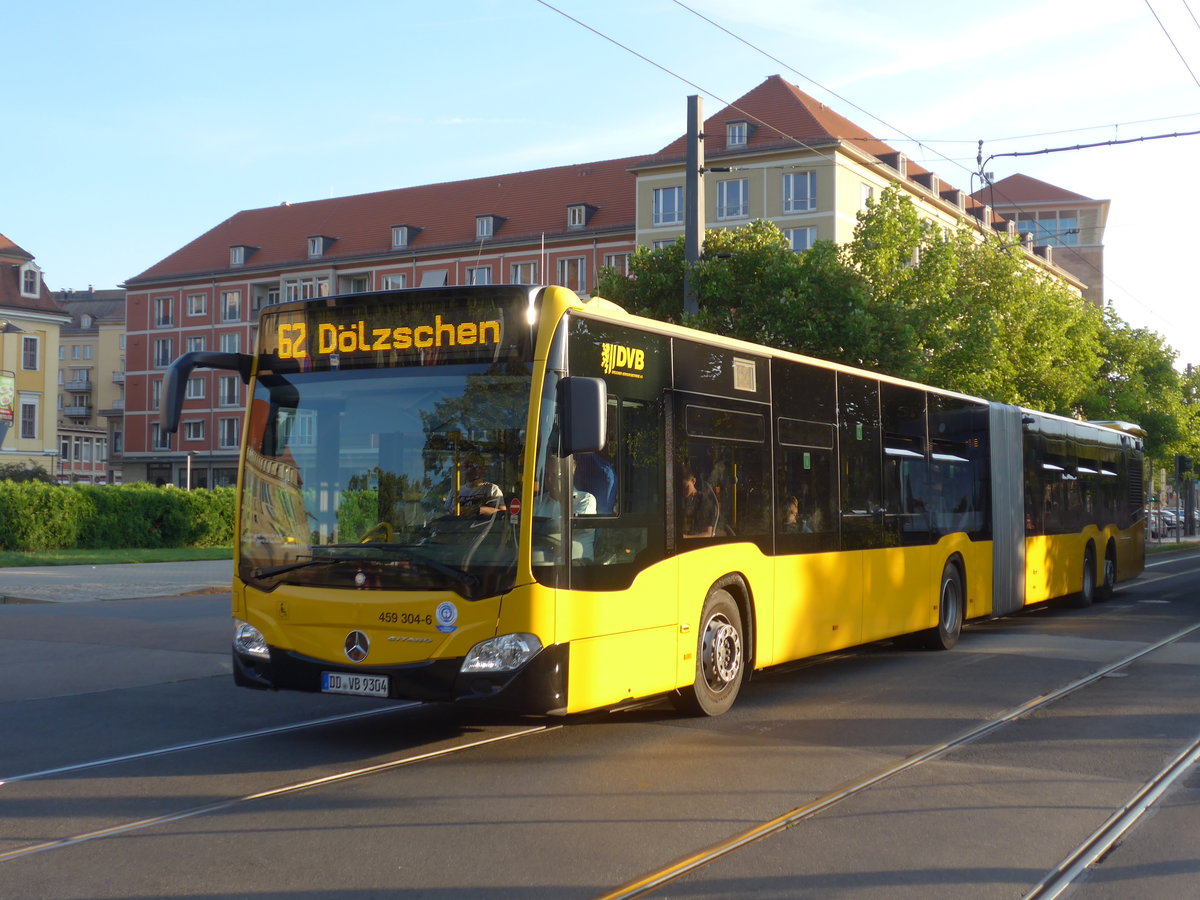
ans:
(30, 322)
(91, 386)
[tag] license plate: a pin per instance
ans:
(349, 683)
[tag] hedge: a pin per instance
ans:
(36, 516)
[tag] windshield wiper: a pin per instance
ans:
(272, 571)
(465, 584)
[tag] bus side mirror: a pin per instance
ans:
(175, 381)
(582, 414)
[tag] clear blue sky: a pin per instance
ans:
(134, 127)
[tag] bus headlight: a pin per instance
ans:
(502, 654)
(248, 640)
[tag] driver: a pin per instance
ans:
(477, 496)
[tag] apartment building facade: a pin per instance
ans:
(91, 386)
(790, 159)
(30, 323)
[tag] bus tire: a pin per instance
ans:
(1108, 579)
(951, 607)
(1087, 593)
(720, 658)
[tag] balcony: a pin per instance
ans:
(116, 411)
(79, 386)
(77, 411)
(119, 377)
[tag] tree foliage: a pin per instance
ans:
(909, 298)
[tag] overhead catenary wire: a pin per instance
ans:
(797, 141)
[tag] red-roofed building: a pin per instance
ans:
(1069, 226)
(792, 160)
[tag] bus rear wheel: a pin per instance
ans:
(720, 658)
(950, 611)
(1087, 593)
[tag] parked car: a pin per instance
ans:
(1161, 522)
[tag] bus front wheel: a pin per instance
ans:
(950, 610)
(720, 658)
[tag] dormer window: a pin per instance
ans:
(31, 281)
(737, 134)
(399, 236)
(487, 226)
(318, 245)
(239, 253)
(579, 214)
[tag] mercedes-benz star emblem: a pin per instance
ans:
(357, 646)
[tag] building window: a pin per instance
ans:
(163, 352)
(197, 304)
(572, 272)
(64, 449)
(265, 295)
(87, 351)
(485, 226)
(156, 393)
(354, 284)
(733, 199)
(195, 389)
(118, 442)
(618, 262)
(399, 236)
(195, 344)
(395, 282)
(74, 351)
(227, 390)
(29, 353)
(799, 192)
(659, 245)
(193, 431)
(523, 273)
(866, 195)
(316, 246)
(479, 274)
(1056, 228)
(31, 281)
(159, 439)
(305, 288)
(228, 436)
(736, 134)
(29, 417)
(237, 256)
(231, 306)
(668, 205)
(231, 342)
(576, 216)
(800, 239)
(162, 312)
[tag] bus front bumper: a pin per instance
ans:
(540, 686)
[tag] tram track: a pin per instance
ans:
(1071, 867)
(268, 793)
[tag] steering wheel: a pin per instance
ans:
(381, 532)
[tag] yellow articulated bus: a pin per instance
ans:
(508, 495)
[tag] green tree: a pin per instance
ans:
(17, 472)
(1137, 382)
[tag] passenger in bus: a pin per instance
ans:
(594, 475)
(477, 496)
(547, 513)
(700, 509)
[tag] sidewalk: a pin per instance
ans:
(75, 584)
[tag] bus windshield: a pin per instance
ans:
(385, 478)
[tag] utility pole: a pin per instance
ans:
(693, 202)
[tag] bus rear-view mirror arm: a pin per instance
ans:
(176, 378)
